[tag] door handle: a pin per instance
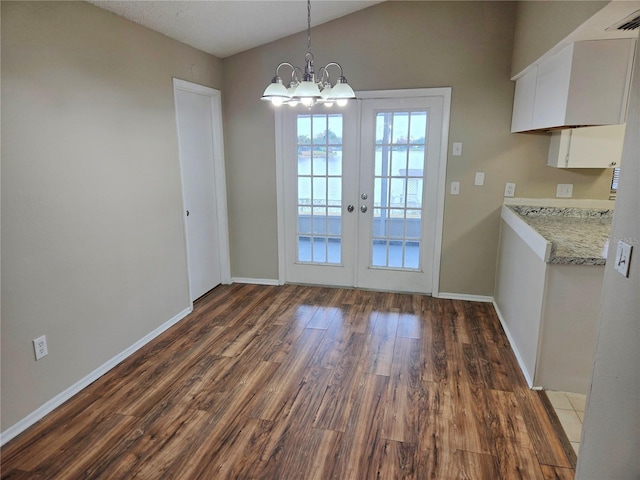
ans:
(363, 208)
(350, 208)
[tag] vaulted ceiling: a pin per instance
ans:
(226, 27)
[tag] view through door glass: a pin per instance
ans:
(398, 192)
(319, 172)
(400, 138)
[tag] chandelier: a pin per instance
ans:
(306, 88)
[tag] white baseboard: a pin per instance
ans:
(256, 281)
(62, 397)
(524, 370)
(464, 296)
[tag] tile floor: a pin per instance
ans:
(570, 410)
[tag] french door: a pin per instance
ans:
(361, 192)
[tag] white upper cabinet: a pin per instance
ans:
(585, 83)
(523, 100)
(588, 147)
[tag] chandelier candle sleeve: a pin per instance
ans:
(304, 87)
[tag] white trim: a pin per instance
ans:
(514, 349)
(280, 201)
(62, 397)
(465, 297)
(445, 93)
(442, 185)
(257, 281)
(219, 173)
(405, 93)
(194, 87)
(358, 154)
(221, 191)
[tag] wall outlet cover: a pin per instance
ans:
(455, 188)
(479, 179)
(509, 189)
(40, 347)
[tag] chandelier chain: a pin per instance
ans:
(309, 26)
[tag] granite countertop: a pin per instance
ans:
(579, 236)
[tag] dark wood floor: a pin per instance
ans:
(305, 383)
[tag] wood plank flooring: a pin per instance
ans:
(301, 382)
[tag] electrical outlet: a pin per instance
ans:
(40, 347)
(509, 189)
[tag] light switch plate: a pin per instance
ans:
(455, 188)
(623, 258)
(457, 149)
(564, 190)
(479, 178)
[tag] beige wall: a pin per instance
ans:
(393, 45)
(93, 250)
(611, 432)
(541, 25)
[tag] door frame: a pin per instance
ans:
(445, 93)
(219, 173)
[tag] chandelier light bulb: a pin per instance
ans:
(276, 101)
(342, 102)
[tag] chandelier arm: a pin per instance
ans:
(326, 67)
(297, 74)
(282, 65)
(322, 73)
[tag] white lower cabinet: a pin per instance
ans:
(587, 147)
(548, 311)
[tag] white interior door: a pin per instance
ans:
(199, 136)
(363, 191)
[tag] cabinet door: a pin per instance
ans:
(523, 99)
(589, 147)
(600, 77)
(585, 83)
(552, 91)
(596, 147)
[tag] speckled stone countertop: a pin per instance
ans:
(579, 236)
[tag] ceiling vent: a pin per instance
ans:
(628, 23)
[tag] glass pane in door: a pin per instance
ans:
(319, 235)
(400, 155)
